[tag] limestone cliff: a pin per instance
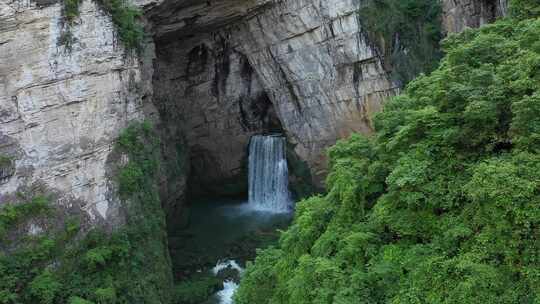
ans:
(230, 69)
(62, 110)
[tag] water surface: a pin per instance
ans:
(223, 234)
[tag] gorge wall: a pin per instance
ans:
(212, 74)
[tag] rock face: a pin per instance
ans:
(461, 14)
(223, 70)
(61, 110)
(303, 63)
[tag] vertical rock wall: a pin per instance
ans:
(61, 110)
(225, 70)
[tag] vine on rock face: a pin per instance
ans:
(123, 14)
(70, 11)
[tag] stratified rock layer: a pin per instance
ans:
(323, 76)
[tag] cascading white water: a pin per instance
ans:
(268, 174)
(225, 295)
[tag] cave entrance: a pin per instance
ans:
(207, 89)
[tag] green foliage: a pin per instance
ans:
(106, 295)
(197, 290)
(77, 300)
(129, 179)
(406, 32)
(25, 273)
(44, 287)
(262, 278)
(5, 161)
(71, 9)
(13, 214)
(523, 9)
(441, 205)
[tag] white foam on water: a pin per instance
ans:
(226, 294)
(226, 264)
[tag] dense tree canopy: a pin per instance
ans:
(442, 204)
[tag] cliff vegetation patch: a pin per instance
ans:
(13, 214)
(69, 265)
(406, 33)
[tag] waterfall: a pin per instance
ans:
(268, 174)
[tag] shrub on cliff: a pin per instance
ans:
(441, 205)
(523, 9)
(196, 290)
